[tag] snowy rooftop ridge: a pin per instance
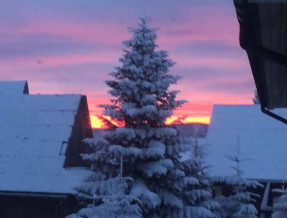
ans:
(262, 140)
(13, 87)
(32, 131)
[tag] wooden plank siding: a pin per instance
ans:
(80, 130)
(26, 89)
(272, 18)
(263, 34)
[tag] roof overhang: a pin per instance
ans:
(35, 194)
(263, 34)
(267, 1)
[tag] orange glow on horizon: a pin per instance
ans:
(171, 120)
(98, 123)
(114, 122)
(186, 120)
(203, 120)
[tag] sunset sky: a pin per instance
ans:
(70, 46)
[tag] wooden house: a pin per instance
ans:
(40, 146)
(242, 131)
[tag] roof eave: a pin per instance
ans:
(35, 194)
(267, 1)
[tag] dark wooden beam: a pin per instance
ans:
(264, 204)
(273, 115)
(34, 194)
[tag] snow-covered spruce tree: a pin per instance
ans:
(239, 204)
(148, 149)
(106, 194)
(198, 193)
(142, 101)
(109, 200)
(281, 204)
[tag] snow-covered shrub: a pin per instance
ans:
(108, 198)
(279, 214)
(239, 204)
(281, 204)
(197, 191)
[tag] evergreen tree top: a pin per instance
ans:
(141, 84)
(143, 39)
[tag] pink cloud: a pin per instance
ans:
(199, 105)
(58, 60)
(210, 24)
(103, 57)
(200, 24)
(217, 97)
(187, 61)
(231, 80)
(233, 84)
(196, 109)
(104, 32)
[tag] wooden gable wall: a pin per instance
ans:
(81, 129)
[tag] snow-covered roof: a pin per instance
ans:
(32, 129)
(12, 87)
(262, 140)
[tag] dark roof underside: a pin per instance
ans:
(263, 34)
